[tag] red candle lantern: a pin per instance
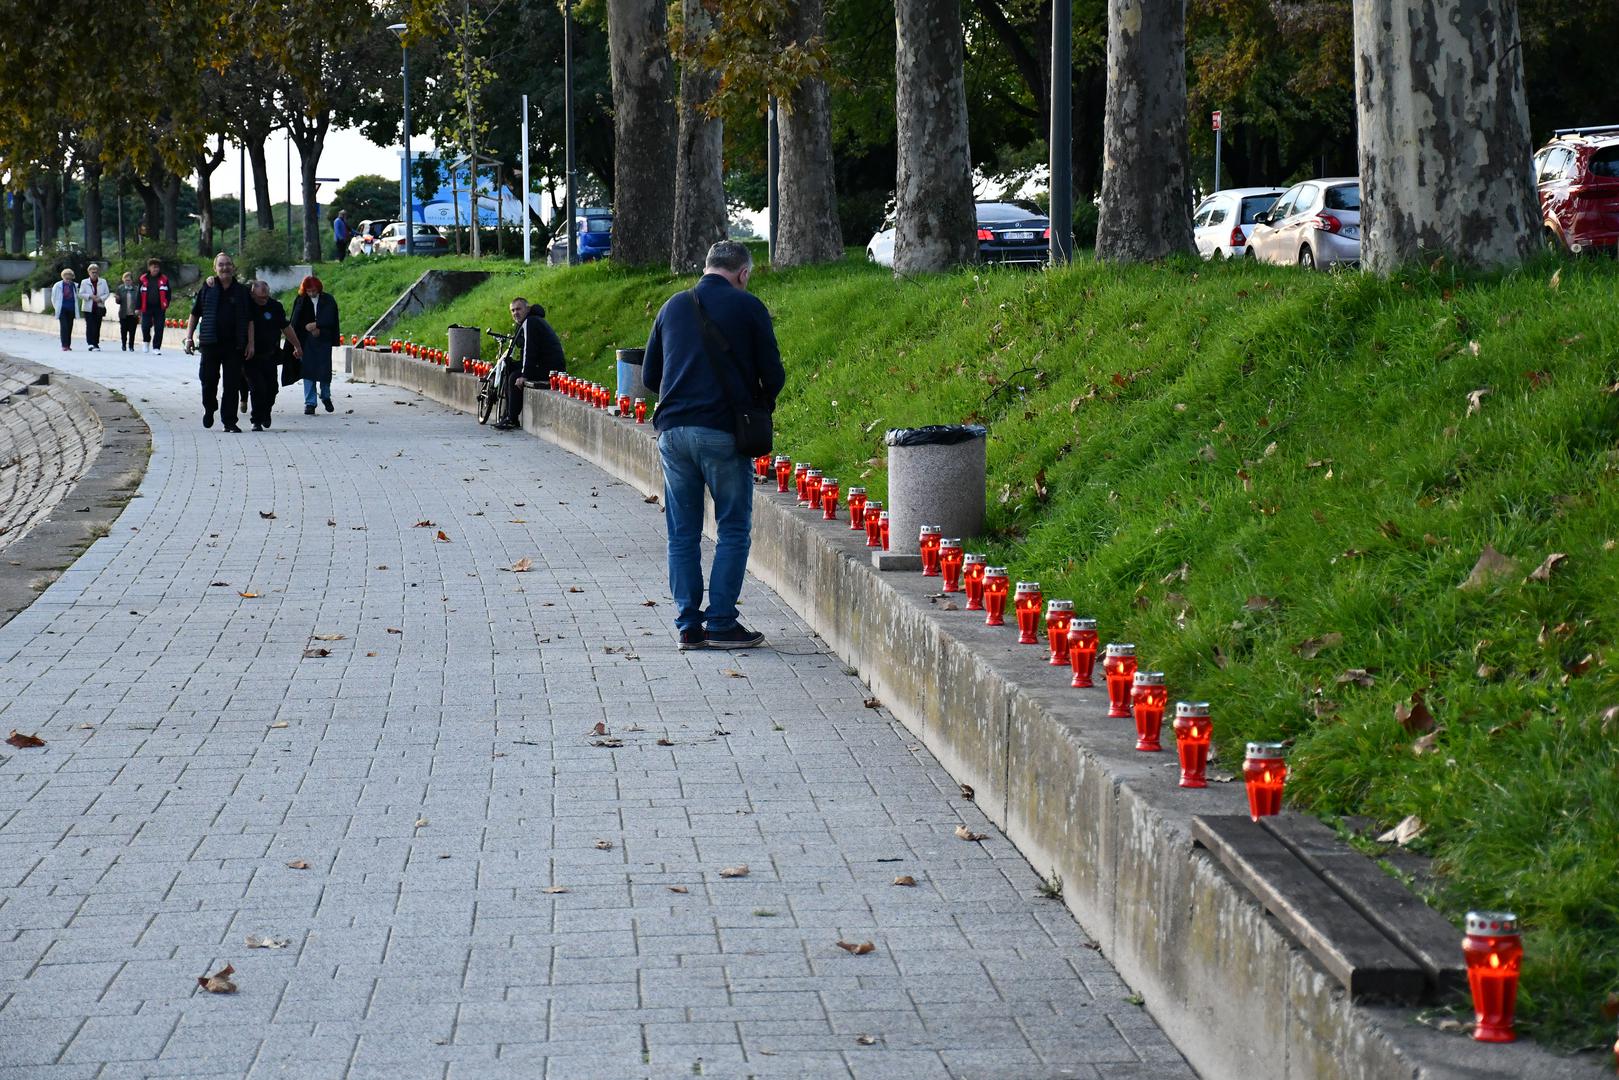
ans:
(640, 410)
(882, 528)
(801, 481)
(1493, 951)
(761, 467)
(812, 488)
(1059, 614)
(857, 508)
(928, 543)
(624, 405)
(951, 560)
(604, 398)
(784, 470)
(1264, 768)
(1148, 697)
(1026, 601)
(1119, 670)
(829, 498)
(874, 524)
(1082, 651)
(1192, 727)
(996, 586)
(972, 580)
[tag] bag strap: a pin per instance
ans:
(714, 341)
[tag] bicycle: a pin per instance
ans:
(492, 387)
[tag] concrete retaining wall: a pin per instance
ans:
(1238, 997)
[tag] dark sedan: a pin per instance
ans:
(1013, 233)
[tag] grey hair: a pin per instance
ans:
(92, 266)
(259, 283)
(730, 256)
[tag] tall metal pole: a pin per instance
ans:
(1062, 133)
(289, 193)
(567, 108)
(523, 198)
(773, 171)
(241, 203)
(1217, 133)
(410, 210)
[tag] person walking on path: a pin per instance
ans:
(341, 234)
(221, 318)
(270, 328)
(698, 388)
(129, 313)
(314, 322)
(541, 351)
(65, 300)
(154, 291)
(93, 294)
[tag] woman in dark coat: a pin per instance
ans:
(314, 320)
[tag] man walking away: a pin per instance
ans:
(129, 312)
(154, 292)
(341, 234)
(699, 388)
(270, 326)
(93, 294)
(541, 351)
(224, 311)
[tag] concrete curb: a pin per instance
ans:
(1235, 993)
(90, 508)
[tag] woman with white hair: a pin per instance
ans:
(93, 293)
(65, 299)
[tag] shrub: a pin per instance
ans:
(264, 249)
(48, 271)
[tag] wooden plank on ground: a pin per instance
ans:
(1353, 950)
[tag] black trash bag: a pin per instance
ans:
(936, 435)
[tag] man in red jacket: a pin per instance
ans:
(154, 305)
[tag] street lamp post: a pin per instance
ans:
(567, 108)
(1060, 141)
(410, 222)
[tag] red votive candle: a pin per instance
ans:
(784, 471)
(996, 586)
(1026, 601)
(624, 405)
(882, 527)
(829, 499)
(801, 479)
(1082, 650)
(1059, 613)
(874, 524)
(1493, 951)
(1264, 768)
(555, 380)
(812, 488)
(972, 580)
(951, 558)
(927, 543)
(1192, 728)
(1148, 697)
(857, 508)
(640, 410)
(761, 467)
(1119, 669)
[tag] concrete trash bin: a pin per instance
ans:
(935, 477)
(466, 343)
(629, 375)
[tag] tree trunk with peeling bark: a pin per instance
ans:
(1146, 209)
(92, 208)
(644, 128)
(936, 225)
(700, 156)
(807, 229)
(1444, 133)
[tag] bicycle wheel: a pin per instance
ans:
(487, 394)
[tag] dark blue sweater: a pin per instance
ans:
(674, 366)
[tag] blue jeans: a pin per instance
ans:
(309, 391)
(696, 459)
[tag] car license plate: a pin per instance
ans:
(1017, 236)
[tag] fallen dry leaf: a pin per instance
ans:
(735, 871)
(217, 584)
(1219, 657)
(859, 950)
(554, 889)
(604, 845)
(24, 742)
(395, 630)
(873, 703)
(733, 673)
(649, 603)
(315, 654)
(421, 822)
(1486, 671)
(967, 791)
(523, 565)
(1260, 603)
(219, 982)
(248, 595)
(1491, 564)
(650, 499)
(611, 743)
(1415, 717)
(1580, 666)
(1544, 571)
(1310, 648)
(666, 741)
(297, 864)
(1358, 676)
(279, 724)
(1555, 281)
(575, 588)
(1403, 833)
(267, 515)
(328, 637)
(424, 524)
(254, 941)
(964, 833)
(906, 880)
(1426, 743)
(599, 729)
(1180, 573)
(1475, 399)
(681, 889)
(866, 1040)
(442, 537)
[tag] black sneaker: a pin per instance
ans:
(692, 639)
(504, 425)
(258, 427)
(737, 637)
(328, 403)
(233, 429)
(207, 418)
(309, 410)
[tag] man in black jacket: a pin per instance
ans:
(270, 328)
(541, 352)
(224, 310)
(699, 390)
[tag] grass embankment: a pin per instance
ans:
(1274, 483)
(367, 287)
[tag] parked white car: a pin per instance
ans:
(880, 248)
(1223, 222)
(1315, 225)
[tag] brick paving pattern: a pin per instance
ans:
(490, 892)
(44, 446)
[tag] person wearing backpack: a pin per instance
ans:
(713, 360)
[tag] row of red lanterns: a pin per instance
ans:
(1492, 948)
(420, 352)
(598, 396)
(359, 340)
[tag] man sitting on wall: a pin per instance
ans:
(541, 352)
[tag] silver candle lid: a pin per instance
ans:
(1266, 751)
(973, 558)
(829, 481)
(1120, 648)
(1149, 678)
(1492, 923)
(882, 515)
(857, 491)
(812, 472)
(1059, 606)
(1082, 624)
(932, 530)
(783, 457)
(1028, 586)
(952, 542)
(874, 504)
(995, 571)
(1196, 710)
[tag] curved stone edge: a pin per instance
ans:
(90, 508)
(1225, 982)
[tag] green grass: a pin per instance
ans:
(366, 288)
(1223, 462)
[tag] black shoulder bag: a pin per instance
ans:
(753, 424)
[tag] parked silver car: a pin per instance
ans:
(1315, 224)
(1222, 223)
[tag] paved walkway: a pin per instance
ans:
(333, 729)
